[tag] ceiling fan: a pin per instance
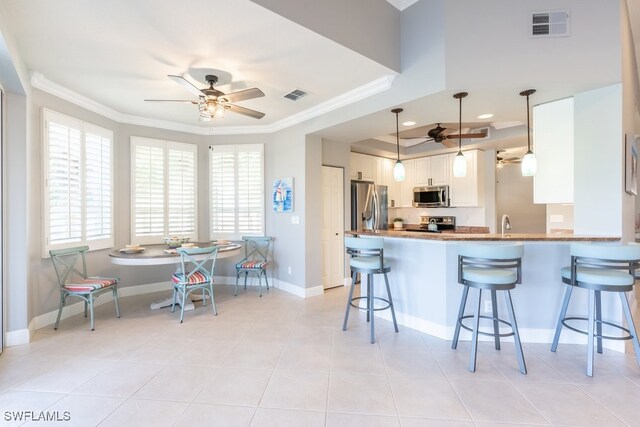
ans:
(445, 136)
(214, 103)
(504, 158)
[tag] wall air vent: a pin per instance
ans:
(549, 24)
(295, 94)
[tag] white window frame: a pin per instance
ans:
(165, 145)
(84, 128)
(236, 234)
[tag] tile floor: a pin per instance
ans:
(283, 361)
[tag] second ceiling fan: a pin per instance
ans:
(213, 102)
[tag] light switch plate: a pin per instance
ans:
(295, 219)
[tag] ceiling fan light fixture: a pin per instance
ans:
(529, 162)
(398, 169)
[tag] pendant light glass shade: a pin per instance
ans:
(529, 163)
(459, 165)
(459, 162)
(398, 169)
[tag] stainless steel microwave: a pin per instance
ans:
(431, 197)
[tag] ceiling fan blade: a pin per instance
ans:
(172, 100)
(468, 135)
(449, 144)
(242, 95)
(186, 84)
(412, 133)
(245, 111)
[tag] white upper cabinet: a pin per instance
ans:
(432, 170)
(468, 191)
(363, 167)
(553, 147)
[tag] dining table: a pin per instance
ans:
(161, 254)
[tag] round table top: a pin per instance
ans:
(158, 255)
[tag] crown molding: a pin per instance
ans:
(381, 84)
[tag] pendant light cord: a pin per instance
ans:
(460, 128)
(528, 129)
(397, 135)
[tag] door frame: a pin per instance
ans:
(342, 222)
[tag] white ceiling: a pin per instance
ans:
(118, 53)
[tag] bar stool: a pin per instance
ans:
(492, 268)
(367, 257)
(600, 268)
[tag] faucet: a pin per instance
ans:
(506, 223)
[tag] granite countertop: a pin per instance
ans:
(463, 235)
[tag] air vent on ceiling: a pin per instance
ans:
(295, 94)
(549, 24)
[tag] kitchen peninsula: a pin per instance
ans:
(426, 292)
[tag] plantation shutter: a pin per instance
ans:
(164, 190)
(98, 183)
(236, 190)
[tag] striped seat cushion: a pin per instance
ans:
(195, 279)
(90, 284)
(252, 265)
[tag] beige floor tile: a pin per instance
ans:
(421, 397)
(455, 365)
(405, 339)
(254, 355)
(357, 420)
(66, 377)
(176, 383)
(235, 386)
(622, 401)
(352, 337)
(431, 422)
(297, 390)
(357, 360)
(537, 369)
(265, 417)
(574, 367)
(364, 394)
(310, 358)
(266, 333)
(316, 319)
(145, 413)
(121, 379)
(411, 363)
(493, 401)
(15, 370)
(17, 402)
(227, 330)
(82, 410)
(301, 335)
(199, 414)
(566, 404)
(205, 352)
(161, 350)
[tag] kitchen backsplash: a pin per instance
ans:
(464, 216)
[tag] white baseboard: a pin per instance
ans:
(276, 283)
(18, 337)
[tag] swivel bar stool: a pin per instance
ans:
(600, 268)
(367, 257)
(492, 268)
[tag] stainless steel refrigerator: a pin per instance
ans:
(368, 206)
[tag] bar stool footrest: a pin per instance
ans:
(490, 334)
(359, 307)
(606, 337)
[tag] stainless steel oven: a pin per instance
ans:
(431, 197)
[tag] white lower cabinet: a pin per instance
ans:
(468, 191)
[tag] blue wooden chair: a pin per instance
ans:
(80, 284)
(196, 273)
(255, 261)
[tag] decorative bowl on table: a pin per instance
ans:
(175, 242)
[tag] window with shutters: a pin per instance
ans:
(78, 174)
(163, 190)
(236, 190)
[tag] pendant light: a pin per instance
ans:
(529, 162)
(398, 169)
(459, 162)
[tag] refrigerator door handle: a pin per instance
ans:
(376, 209)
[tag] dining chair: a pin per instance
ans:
(71, 270)
(196, 273)
(256, 251)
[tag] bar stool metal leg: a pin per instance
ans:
(592, 315)
(346, 314)
(463, 303)
(496, 325)
(598, 322)
(393, 311)
(516, 334)
(563, 313)
(474, 337)
(371, 308)
(630, 325)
